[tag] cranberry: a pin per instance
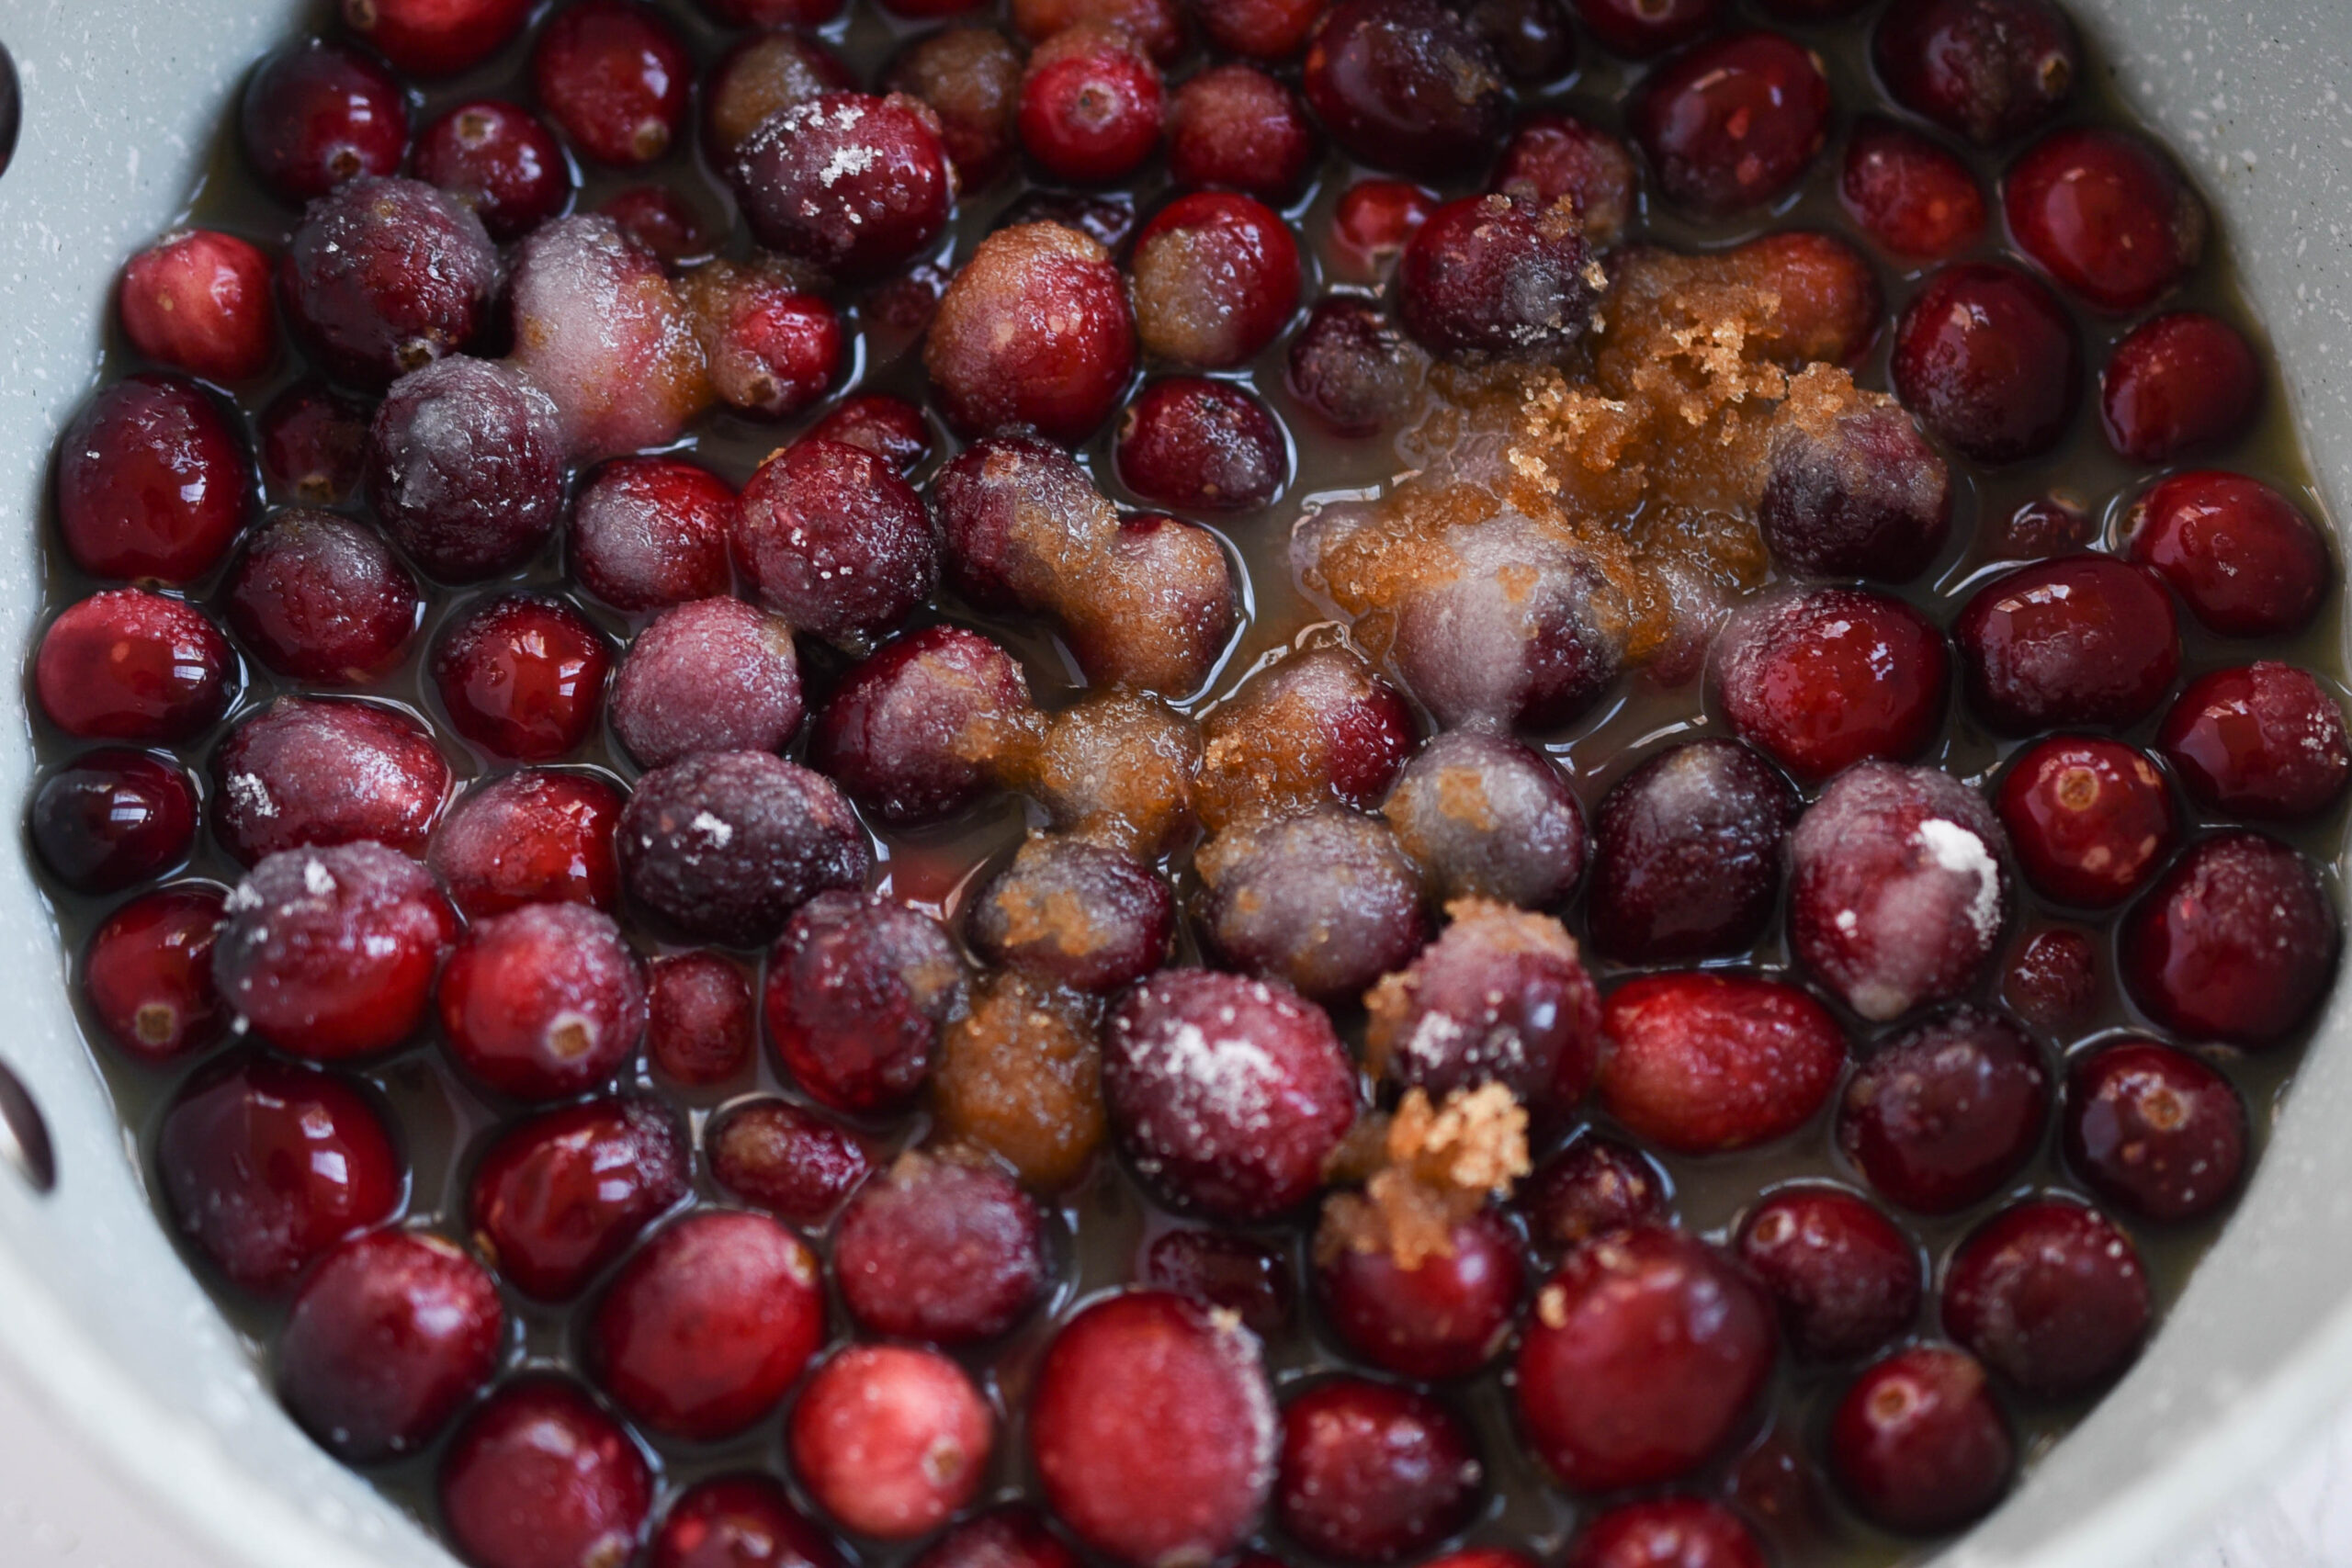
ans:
(1352, 366)
(1073, 913)
(2052, 980)
(436, 38)
(2178, 385)
(1991, 69)
(152, 481)
(1215, 279)
(540, 1477)
(384, 276)
(2046, 525)
(1157, 26)
(1091, 103)
(942, 1250)
(599, 327)
(2106, 214)
(700, 1021)
(309, 771)
(1156, 610)
(522, 677)
(1501, 997)
(893, 206)
(1687, 853)
(764, 73)
(2082, 640)
(1233, 125)
(772, 347)
(1940, 1116)
(832, 539)
(1373, 222)
(857, 989)
(1639, 28)
(130, 665)
(2236, 942)
(615, 75)
(891, 428)
(1034, 329)
(648, 532)
(1325, 900)
(110, 818)
(2050, 1295)
(2153, 1130)
(264, 1167)
(788, 13)
(147, 973)
(1846, 1278)
(1370, 1472)
(1860, 495)
(890, 1440)
(739, 1521)
(317, 114)
(313, 442)
(1731, 124)
(1821, 679)
(787, 1160)
(330, 953)
(1646, 1353)
(498, 159)
(1316, 724)
(723, 846)
(1405, 86)
(1234, 1273)
(527, 836)
(1555, 157)
(2245, 560)
(1201, 446)
(1594, 1186)
(465, 469)
(1667, 1533)
(1829, 298)
(1228, 1094)
(1532, 40)
(970, 77)
(1486, 273)
(2091, 819)
(199, 302)
(1152, 1429)
(910, 733)
(659, 221)
(1986, 356)
(2265, 741)
(1266, 30)
(713, 675)
(319, 598)
(560, 1196)
(1908, 194)
(543, 1001)
(1917, 1444)
(1444, 1315)
(1486, 817)
(1701, 1061)
(387, 1340)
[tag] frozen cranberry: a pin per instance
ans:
(316, 114)
(699, 1025)
(1730, 124)
(465, 468)
(1700, 1061)
(1091, 103)
(319, 598)
(130, 665)
(1987, 357)
(309, 770)
(391, 1335)
(891, 428)
(648, 532)
(384, 276)
(528, 837)
(657, 220)
(2178, 385)
(833, 540)
(740, 1521)
(1908, 194)
(1687, 853)
(1352, 366)
(1487, 274)
(2153, 1130)
(1846, 1278)
(1555, 157)
(2245, 560)
(1639, 28)
(1988, 69)
(147, 973)
(1033, 330)
(540, 1477)
(1667, 1533)
(783, 1158)
(2091, 819)
(110, 818)
(1234, 1273)
(1405, 86)
(787, 176)
(436, 38)
(1318, 724)
(615, 75)
(499, 160)
(313, 442)
(1269, 31)
(1215, 278)
(763, 74)
(560, 1196)
(1235, 126)
(2265, 741)
(1021, 519)
(598, 325)
(857, 989)
(2106, 214)
(2050, 1295)
(942, 1250)
(543, 1001)
(199, 302)
(2236, 942)
(1859, 494)
(910, 732)
(152, 481)
(2082, 640)
(264, 1167)
(713, 675)
(890, 1440)
(1073, 913)
(1594, 1186)
(772, 347)
(724, 845)
(1501, 997)
(2052, 980)
(1821, 679)
(1373, 223)
(1445, 1316)
(1940, 1116)
(1484, 815)
(970, 77)
(1917, 1444)
(1370, 1472)
(1646, 1351)
(1325, 900)
(522, 677)
(1201, 446)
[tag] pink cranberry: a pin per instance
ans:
(891, 207)
(560, 1196)
(313, 442)
(1731, 124)
(385, 275)
(1405, 86)
(834, 541)
(521, 677)
(2046, 525)
(2091, 819)
(526, 838)
(740, 1521)
(1444, 1317)
(266, 1166)
(2236, 942)
(2082, 640)
(1990, 69)
(543, 1001)
(1325, 900)
(1940, 1116)
(540, 1477)
(1371, 1473)
(1687, 853)
(1215, 279)
(1987, 357)
(2050, 1295)
(110, 818)
(1153, 1429)
(2245, 560)
(147, 973)
(1483, 816)
(2178, 385)
(1091, 103)
(616, 76)
(1252, 1279)
(766, 72)
(1034, 329)
(1864, 497)
(1667, 1533)
(1201, 446)
(648, 532)
(436, 38)
(316, 114)
(1918, 1443)
(857, 989)
(152, 481)
(891, 428)
(1908, 194)
(773, 346)
(330, 953)
(1594, 1186)
(661, 222)
(1235, 126)
(890, 1440)
(2153, 1131)
(724, 846)
(1639, 28)
(1269, 32)
(1847, 1280)
(1351, 366)
(2106, 214)
(465, 469)
(2052, 980)
(199, 302)
(391, 1335)
(713, 675)
(790, 1161)
(699, 1023)
(1821, 679)
(1501, 997)
(321, 598)
(1644, 1356)
(126, 665)
(1073, 913)
(498, 159)
(941, 1250)
(599, 328)
(2265, 741)
(969, 75)
(910, 733)
(309, 770)
(1486, 273)
(1698, 1061)
(1555, 157)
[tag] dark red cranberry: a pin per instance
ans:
(1108, 218)
(1860, 495)
(2082, 640)
(1153, 1429)
(2236, 942)
(2105, 213)
(1501, 997)
(316, 114)
(600, 330)
(2050, 1295)
(786, 176)
(2047, 525)
(1091, 103)
(1269, 31)
(498, 159)
(890, 1440)
(661, 222)
(941, 1250)
(1486, 273)
(310, 771)
(1639, 28)
(199, 302)
(1235, 126)
(891, 428)
(529, 837)
(384, 276)
(1352, 366)
(1908, 194)
(1553, 157)
(321, 598)
(969, 76)
(1595, 1184)
(1990, 69)
(723, 846)
(1824, 678)
(1486, 817)
(1074, 913)
(739, 1521)
(2052, 980)
(2153, 1131)
(465, 468)
(857, 989)
(560, 1196)
(1532, 40)
(1371, 1473)
(1987, 357)
(2091, 819)
(788, 13)
(616, 76)
(1917, 1444)
(1444, 1316)
(1157, 26)
(313, 442)
(1646, 1353)
(436, 38)
(543, 1001)
(1324, 900)
(522, 677)
(1234, 1273)
(648, 532)
(330, 953)
(540, 1477)
(2265, 741)
(910, 733)
(1846, 1278)
(779, 1157)
(699, 1023)
(714, 675)
(773, 346)
(147, 973)
(1201, 446)
(1730, 124)
(1405, 86)
(1033, 330)
(2178, 385)
(1701, 1061)
(2245, 560)
(152, 481)
(126, 665)
(1667, 1533)
(1215, 277)
(1156, 610)
(391, 1335)
(834, 541)
(110, 818)
(1942, 1116)
(1687, 853)
(1373, 223)
(764, 74)
(264, 1167)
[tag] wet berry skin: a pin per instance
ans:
(1486, 817)
(560, 1196)
(1234, 124)
(1687, 853)
(126, 665)
(2265, 741)
(1352, 366)
(321, 598)
(1987, 359)
(857, 989)
(1917, 1444)
(1486, 273)
(1639, 28)
(785, 1158)
(147, 973)
(1866, 497)
(864, 225)
(110, 818)
(2153, 1131)
(1732, 123)
(2052, 981)
(523, 677)
(1404, 85)
(316, 114)
(941, 1250)
(2180, 385)
(1595, 1184)
(539, 1476)
(1252, 1279)
(1700, 1062)
(500, 161)
(699, 1023)
(1499, 998)
(313, 442)
(2049, 1296)
(2236, 942)
(1445, 1318)
(1034, 329)
(2245, 560)
(616, 77)
(1215, 277)
(1324, 900)
(709, 675)
(1846, 1278)
(889, 1439)
(1908, 194)
(435, 38)
(1667, 1533)
(832, 539)
(1091, 104)
(2090, 820)
(1373, 222)
(543, 1001)
(465, 468)
(199, 302)
(1828, 677)
(151, 482)
(909, 733)
(384, 276)
(1200, 445)
(1989, 70)
(723, 846)
(2082, 640)
(1073, 913)
(1940, 1116)
(1371, 1473)
(532, 836)
(739, 1521)
(312, 771)
(2106, 214)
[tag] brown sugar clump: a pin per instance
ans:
(1020, 1077)
(1118, 767)
(1439, 1164)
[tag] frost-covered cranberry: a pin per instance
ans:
(1352, 366)
(890, 1440)
(1501, 997)
(309, 771)
(1325, 900)
(782, 1158)
(522, 677)
(1687, 853)
(2178, 385)
(1317, 725)
(391, 1335)
(540, 1477)
(2236, 942)
(1091, 103)
(1484, 815)
(1073, 913)
(2090, 818)
(385, 275)
(152, 481)
(2245, 560)
(854, 184)
(1860, 495)
(1667, 1533)
(1698, 1061)
(199, 302)
(774, 347)
(945, 1250)
(1987, 357)
(498, 159)
(1487, 274)
(529, 837)
(648, 532)
(1990, 69)
(2153, 1131)
(762, 74)
(1154, 609)
(1034, 329)
(1594, 1186)
(1918, 1443)
(111, 817)
(1845, 1277)
(2050, 1295)
(1221, 1268)
(1201, 446)
(723, 846)
(1646, 1353)
(2052, 981)
(857, 989)
(1371, 1473)
(1233, 125)
(313, 442)
(1940, 1116)
(1405, 86)
(910, 733)
(1908, 194)
(599, 326)
(1153, 1429)
(1731, 124)
(436, 38)
(616, 76)
(2082, 640)
(834, 541)
(1269, 31)
(1553, 157)
(1821, 679)
(969, 76)
(2265, 741)
(465, 468)
(126, 665)
(266, 1166)
(699, 1022)
(147, 973)
(1215, 277)
(1445, 1315)
(543, 1001)
(321, 598)
(560, 1196)
(891, 428)
(1228, 1094)
(1639, 28)
(713, 675)
(2106, 214)
(316, 114)
(740, 1521)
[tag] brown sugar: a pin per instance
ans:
(1020, 1077)
(1437, 1165)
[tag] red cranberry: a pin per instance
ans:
(1532, 40)
(199, 302)
(1234, 1273)
(152, 481)
(1153, 1430)
(1593, 1186)
(788, 177)
(787, 1160)
(648, 532)
(1646, 1353)
(321, 598)
(309, 770)
(384, 276)
(1846, 1278)
(1091, 103)
(772, 347)
(543, 1001)
(264, 1167)
(2052, 980)
(465, 469)
(330, 953)
(970, 77)
(766, 73)
(1073, 913)
(2178, 385)
(2050, 1295)
(790, 12)
(723, 846)
(1444, 1316)
(130, 665)
(1486, 817)
(739, 1521)
(2090, 820)
(857, 989)
(1908, 194)
(1667, 1533)
(1865, 496)
(109, 818)
(1830, 297)
(2236, 942)
(910, 733)
(1687, 853)
(1940, 1116)
(1215, 279)
(1373, 222)
(1731, 124)
(1158, 25)
(1033, 330)
(615, 75)
(387, 1340)
(1824, 678)
(498, 159)
(1486, 273)
(1269, 31)
(1316, 723)
(1555, 157)
(891, 428)
(941, 1250)
(2153, 1130)
(1987, 357)
(1501, 997)
(890, 1440)
(1235, 126)
(313, 442)
(1990, 69)
(1324, 900)
(2046, 525)
(1700, 1061)
(2243, 557)
(1352, 366)
(2106, 214)
(1917, 1444)
(1370, 1472)
(436, 38)
(540, 1477)
(529, 837)
(1201, 446)
(1639, 28)
(699, 1025)
(521, 678)
(599, 329)
(317, 114)
(659, 221)
(2082, 640)
(713, 675)
(1156, 610)
(2265, 741)
(147, 973)
(1405, 86)
(562, 1195)
(833, 540)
